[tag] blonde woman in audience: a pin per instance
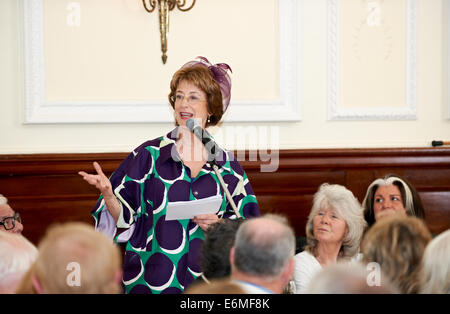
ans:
(74, 258)
(397, 244)
(16, 256)
(436, 265)
(333, 232)
(9, 219)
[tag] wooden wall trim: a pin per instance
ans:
(292, 159)
(47, 188)
(359, 158)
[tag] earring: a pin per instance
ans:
(209, 119)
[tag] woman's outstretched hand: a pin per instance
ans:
(99, 180)
(102, 183)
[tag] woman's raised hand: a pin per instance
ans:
(99, 180)
(102, 183)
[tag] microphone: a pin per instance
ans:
(193, 125)
(210, 146)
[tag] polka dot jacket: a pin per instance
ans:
(164, 256)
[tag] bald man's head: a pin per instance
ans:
(263, 246)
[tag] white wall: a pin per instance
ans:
(313, 131)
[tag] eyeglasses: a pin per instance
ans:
(192, 99)
(10, 222)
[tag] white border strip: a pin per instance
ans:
(406, 112)
(447, 57)
(38, 110)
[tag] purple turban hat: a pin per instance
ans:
(219, 72)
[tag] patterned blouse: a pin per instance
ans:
(163, 256)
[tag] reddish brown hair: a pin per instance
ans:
(200, 76)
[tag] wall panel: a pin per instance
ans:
(45, 188)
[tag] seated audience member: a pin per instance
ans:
(215, 286)
(74, 258)
(262, 256)
(348, 278)
(397, 244)
(389, 195)
(436, 265)
(215, 258)
(16, 256)
(334, 230)
(9, 219)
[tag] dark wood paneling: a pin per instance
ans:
(46, 188)
(39, 213)
(295, 207)
(437, 205)
(289, 182)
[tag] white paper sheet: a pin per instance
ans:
(189, 209)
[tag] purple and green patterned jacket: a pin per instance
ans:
(164, 256)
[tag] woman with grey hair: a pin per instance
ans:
(391, 195)
(334, 230)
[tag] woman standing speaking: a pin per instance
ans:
(162, 255)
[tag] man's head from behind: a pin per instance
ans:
(17, 254)
(219, 238)
(74, 258)
(263, 251)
